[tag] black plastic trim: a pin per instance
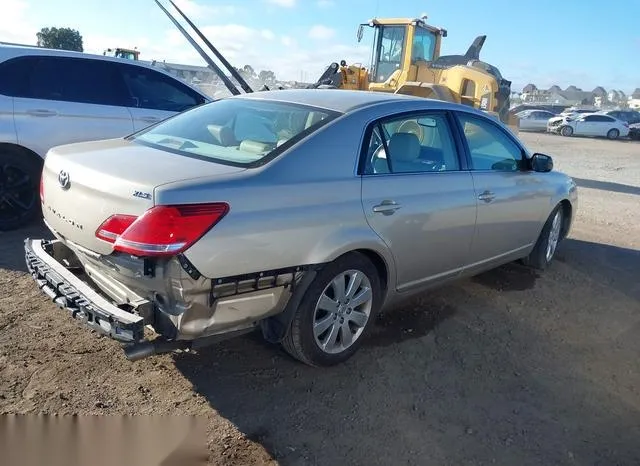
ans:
(66, 296)
(224, 287)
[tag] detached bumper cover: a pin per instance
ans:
(70, 293)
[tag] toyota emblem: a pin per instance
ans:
(63, 179)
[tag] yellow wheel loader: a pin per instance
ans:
(120, 52)
(406, 60)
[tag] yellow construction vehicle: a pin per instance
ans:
(120, 52)
(406, 60)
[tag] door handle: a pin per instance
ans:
(487, 196)
(42, 112)
(386, 207)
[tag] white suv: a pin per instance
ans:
(53, 97)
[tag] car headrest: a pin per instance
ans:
(255, 147)
(404, 147)
(223, 135)
(313, 118)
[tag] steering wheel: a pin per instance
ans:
(376, 156)
(412, 127)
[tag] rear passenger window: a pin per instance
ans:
(599, 118)
(14, 76)
(420, 143)
(156, 91)
(79, 80)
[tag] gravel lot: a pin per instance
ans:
(508, 368)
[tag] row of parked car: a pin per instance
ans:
(612, 124)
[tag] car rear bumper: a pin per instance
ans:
(238, 303)
(69, 292)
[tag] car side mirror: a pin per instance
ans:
(541, 163)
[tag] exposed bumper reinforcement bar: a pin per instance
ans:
(70, 293)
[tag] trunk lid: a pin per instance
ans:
(85, 183)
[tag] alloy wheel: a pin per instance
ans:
(342, 311)
(17, 196)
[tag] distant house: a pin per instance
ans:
(572, 96)
(634, 99)
(614, 96)
(557, 97)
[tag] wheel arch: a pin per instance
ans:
(348, 242)
(378, 262)
(17, 148)
(567, 217)
(275, 327)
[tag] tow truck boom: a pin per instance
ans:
(227, 82)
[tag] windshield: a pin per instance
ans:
(127, 55)
(388, 54)
(424, 43)
(236, 131)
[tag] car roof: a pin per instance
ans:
(8, 51)
(337, 100)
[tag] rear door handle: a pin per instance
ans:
(386, 207)
(41, 112)
(487, 196)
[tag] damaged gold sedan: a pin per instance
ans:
(302, 213)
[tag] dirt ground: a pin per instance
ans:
(510, 367)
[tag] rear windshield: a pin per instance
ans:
(235, 131)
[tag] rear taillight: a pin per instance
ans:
(114, 226)
(42, 189)
(161, 230)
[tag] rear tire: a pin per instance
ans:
(550, 237)
(613, 134)
(321, 321)
(19, 187)
(566, 131)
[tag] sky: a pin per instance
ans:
(545, 42)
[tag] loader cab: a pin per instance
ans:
(127, 54)
(399, 44)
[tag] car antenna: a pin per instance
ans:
(227, 82)
(245, 86)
